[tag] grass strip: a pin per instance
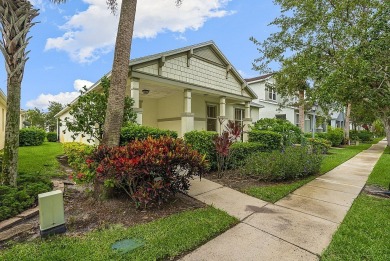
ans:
(381, 173)
(335, 157)
(164, 238)
(364, 233)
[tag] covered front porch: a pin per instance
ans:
(167, 104)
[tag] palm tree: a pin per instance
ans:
(16, 20)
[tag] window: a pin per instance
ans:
(271, 94)
(239, 116)
(211, 117)
(281, 116)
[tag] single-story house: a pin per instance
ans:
(186, 89)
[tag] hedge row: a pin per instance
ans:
(134, 132)
(271, 140)
(202, 141)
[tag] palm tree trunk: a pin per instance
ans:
(301, 109)
(386, 123)
(120, 70)
(16, 20)
(346, 124)
(10, 158)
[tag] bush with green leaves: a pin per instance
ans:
(15, 200)
(365, 136)
(292, 163)
(203, 142)
(240, 151)
(319, 145)
(291, 133)
(335, 136)
(51, 136)
(271, 140)
(31, 137)
(133, 131)
(77, 154)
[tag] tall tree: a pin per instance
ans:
(36, 118)
(330, 39)
(16, 20)
(52, 110)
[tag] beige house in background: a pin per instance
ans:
(186, 89)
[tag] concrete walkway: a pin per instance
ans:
(297, 227)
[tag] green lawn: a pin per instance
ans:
(381, 174)
(164, 239)
(365, 231)
(335, 157)
(40, 159)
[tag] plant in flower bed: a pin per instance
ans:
(77, 154)
(319, 145)
(15, 200)
(148, 171)
(223, 142)
(290, 163)
(202, 141)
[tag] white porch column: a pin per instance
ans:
(222, 114)
(187, 117)
(134, 93)
(247, 120)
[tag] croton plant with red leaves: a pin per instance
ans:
(149, 171)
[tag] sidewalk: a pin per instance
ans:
(297, 227)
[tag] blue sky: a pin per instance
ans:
(73, 43)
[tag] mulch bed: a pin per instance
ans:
(84, 213)
(235, 180)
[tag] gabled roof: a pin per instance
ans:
(157, 56)
(259, 78)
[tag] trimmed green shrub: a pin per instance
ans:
(240, 151)
(365, 136)
(149, 171)
(31, 137)
(134, 132)
(335, 136)
(15, 200)
(291, 133)
(319, 145)
(292, 163)
(203, 142)
(77, 153)
(271, 140)
(51, 136)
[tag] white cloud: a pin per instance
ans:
(91, 33)
(42, 102)
(245, 75)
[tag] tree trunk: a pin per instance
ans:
(10, 158)
(301, 109)
(386, 123)
(120, 70)
(346, 123)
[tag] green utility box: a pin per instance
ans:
(51, 213)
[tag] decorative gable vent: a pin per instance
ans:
(208, 54)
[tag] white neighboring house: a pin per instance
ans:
(270, 101)
(186, 89)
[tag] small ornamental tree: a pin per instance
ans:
(223, 142)
(148, 171)
(88, 113)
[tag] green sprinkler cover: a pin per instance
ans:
(127, 245)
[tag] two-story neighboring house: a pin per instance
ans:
(270, 101)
